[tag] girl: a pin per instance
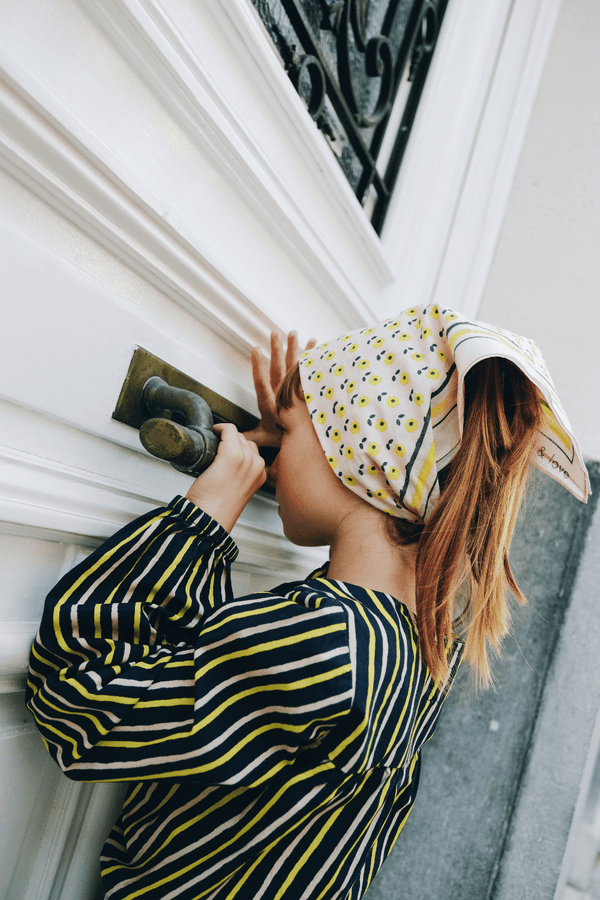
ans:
(272, 741)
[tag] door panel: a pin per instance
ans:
(162, 185)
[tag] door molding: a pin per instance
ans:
(447, 210)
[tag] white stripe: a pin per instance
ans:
(407, 654)
(120, 556)
(176, 814)
(145, 797)
(340, 846)
(189, 848)
(312, 822)
(296, 665)
(261, 628)
(174, 760)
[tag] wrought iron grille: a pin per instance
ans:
(360, 67)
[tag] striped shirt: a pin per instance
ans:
(272, 741)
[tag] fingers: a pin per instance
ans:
(230, 436)
(268, 376)
(265, 396)
(277, 360)
(259, 366)
(264, 437)
(293, 349)
(236, 450)
(292, 353)
(224, 488)
(281, 361)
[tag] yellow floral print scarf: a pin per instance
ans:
(387, 405)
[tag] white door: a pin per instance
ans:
(162, 185)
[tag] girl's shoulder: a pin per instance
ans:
(365, 609)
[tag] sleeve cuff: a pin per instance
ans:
(206, 526)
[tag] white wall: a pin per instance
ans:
(545, 278)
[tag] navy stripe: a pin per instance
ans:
(433, 486)
(446, 381)
(439, 422)
(415, 453)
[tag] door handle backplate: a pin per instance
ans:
(174, 413)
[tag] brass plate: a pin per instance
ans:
(143, 365)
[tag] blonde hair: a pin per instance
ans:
(467, 538)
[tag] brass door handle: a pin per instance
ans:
(189, 445)
(174, 413)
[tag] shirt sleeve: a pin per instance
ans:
(145, 667)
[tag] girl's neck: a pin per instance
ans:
(363, 554)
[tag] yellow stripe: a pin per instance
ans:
(63, 737)
(272, 645)
(166, 574)
(188, 586)
(137, 621)
(134, 824)
(236, 615)
(296, 826)
(86, 575)
(402, 715)
(106, 698)
(172, 834)
(131, 701)
(370, 689)
(422, 479)
(552, 423)
(42, 659)
(207, 720)
(335, 588)
(442, 405)
(256, 820)
(426, 708)
(65, 716)
(97, 622)
(483, 332)
(179, 700)
(131, 796)
(381, 796)
(457, 334)
(310, 850)
(392, 679)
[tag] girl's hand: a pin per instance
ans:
(267, 379)
(236, 474)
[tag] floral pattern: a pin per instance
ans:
(396, 390)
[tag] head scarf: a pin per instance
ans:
(387, 404)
